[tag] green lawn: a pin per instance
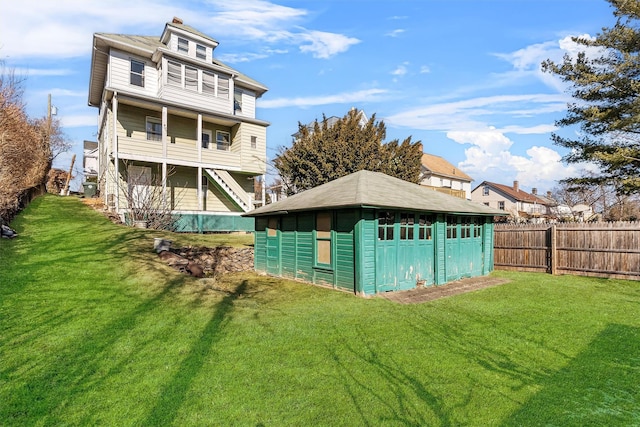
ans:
(95, 330)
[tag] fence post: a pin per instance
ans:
(553, 256)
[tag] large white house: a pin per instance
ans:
(172, 116)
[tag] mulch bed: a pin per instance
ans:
(430, 293)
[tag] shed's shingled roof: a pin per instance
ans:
(375, 190)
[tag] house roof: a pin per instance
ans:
(516, 194)
(374, 190)
(439, 166)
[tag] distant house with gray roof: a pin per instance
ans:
(368, 233)
(440, 175)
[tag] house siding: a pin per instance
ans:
(120, 72)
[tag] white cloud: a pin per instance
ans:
(21, 71)
(425, 69)
(25, 34)
(325, 45)
(80, 120)
(395, 33)
(340, 98)
(400, 70)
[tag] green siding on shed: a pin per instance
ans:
(357, 253)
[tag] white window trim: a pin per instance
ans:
(181, 47)
(156, 120)
(132, 73)
(220, 132)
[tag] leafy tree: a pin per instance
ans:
(329, 150)
(606, 86)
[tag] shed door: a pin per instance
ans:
(464, 250)
(273, 247)
(386, 253)
(425, 263)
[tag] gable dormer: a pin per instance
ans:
(188, 41)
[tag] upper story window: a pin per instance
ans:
(174, 73)
(201, 52)
(254, 141)
(485, 190)
(154, 129)
(223, 140)
(501, 206)
(191, 78)
(208, 83)
(237, 101)
(183, 45)
(223, 87)
(137, 73)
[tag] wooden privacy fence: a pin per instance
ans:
(587, 249)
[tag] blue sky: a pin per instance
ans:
(462, 76)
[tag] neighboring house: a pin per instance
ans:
(522, 206)
(174, 116)
(582, 212)
(368, 232)
(442, 176)
(90, 160)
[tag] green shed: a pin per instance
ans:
(369, 233)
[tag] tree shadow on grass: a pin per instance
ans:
(600, 386)
(174, 393)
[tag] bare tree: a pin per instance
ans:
(145, 196)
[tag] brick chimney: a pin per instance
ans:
(515, 186)
(177, 20)
(534, 191)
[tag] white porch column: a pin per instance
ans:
(200, 192)
(116, 158)
(164, 132)
(164, 184)
(199, 137)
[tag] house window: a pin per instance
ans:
(174, 73)
(237, 101)
(137, 73)
(424, 227)
(254, 141)
(154, 129)
(386, 222)
(223, 140)
(501, 206)
(183, 45)
(323, 238)
(208, 83)
(206, 139)
(201, 52)
(191, 78)
(407, 222)
(485, 190)
(223, 87)
(486, 203)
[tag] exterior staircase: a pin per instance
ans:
(232, 189)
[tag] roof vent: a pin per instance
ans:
(177, 20)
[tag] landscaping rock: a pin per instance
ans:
(201, 261)
(7, 232)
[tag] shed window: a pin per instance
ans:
(137, 73)
(386, 221)
(272, 227)
(323, 238)
(465, 227)
(477, 227)
(407, 221)
(452, 227)
(424, 227)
